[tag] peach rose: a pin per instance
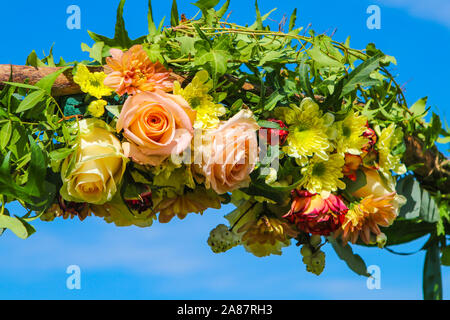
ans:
(156, 125)
(229, 154)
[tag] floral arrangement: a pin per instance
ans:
(311, 140)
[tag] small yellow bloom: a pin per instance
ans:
(390, 137)
(308, 130)
(350, 134)
(323, 176)
(91, 83)
(197, 95)
(97, 108)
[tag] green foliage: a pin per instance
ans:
(432, 278)
(277, 69)
(353, 261)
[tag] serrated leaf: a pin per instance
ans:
(121, 34)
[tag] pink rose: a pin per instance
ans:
(229, 154)
(156, 125)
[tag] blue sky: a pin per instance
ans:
(173, 261)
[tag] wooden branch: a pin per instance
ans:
(63, 86)
(436, 166)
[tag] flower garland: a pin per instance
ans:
(207, 112)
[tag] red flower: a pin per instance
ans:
(269, 133)
(313, 214)
(372, 136)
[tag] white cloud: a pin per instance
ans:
(435, 10)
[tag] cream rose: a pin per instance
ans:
(229, 154)
(94, 171)
(379, 186)
(156, 125)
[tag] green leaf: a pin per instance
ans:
(221, 12)
(37, 170)
(174, 17)
(353, 261)
(403, 231)
(60, 154)
(96, 52)
(22, 85)
(432, 278)
(205, 5)
(15, 225)
(114, 109)
(419, 107)
(47, 82)
(410, 189)
(121, 34)
(217, 61)
(419, 202)
(151, 22)
(322, 59)
(5, 135)
(361, 75)
(304, 78)
(292, 20)
(31, 100)
(445, 259)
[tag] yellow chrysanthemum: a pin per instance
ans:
(91, 82)
(97, 108)
(390, 137)
(307, 130)
(350, 130)
(196, 94)
(323, 176)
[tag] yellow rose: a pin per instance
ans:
(94, 171)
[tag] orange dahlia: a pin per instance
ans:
(363, 220)
(314, 214)
(132, 72)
